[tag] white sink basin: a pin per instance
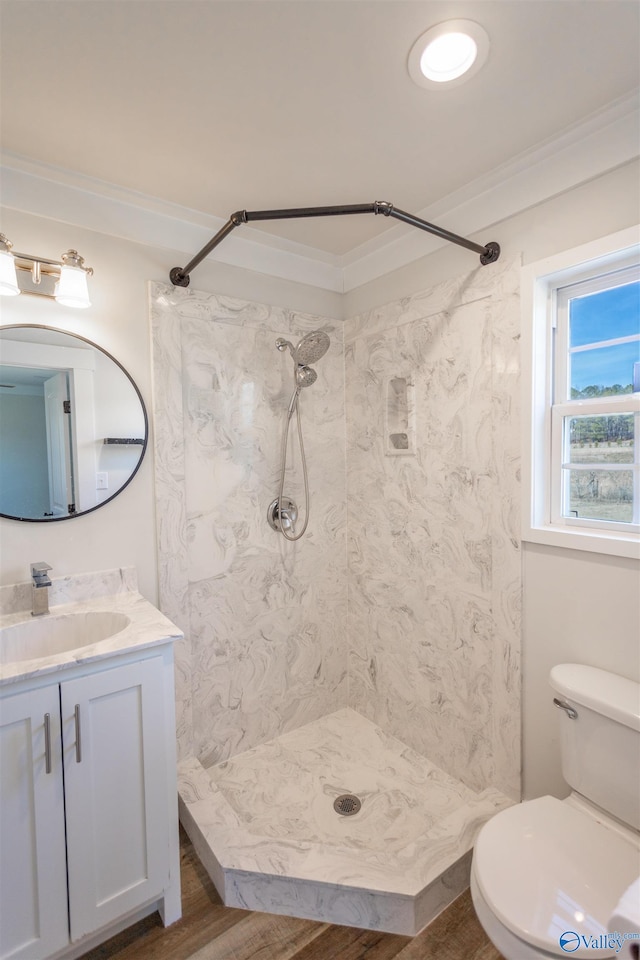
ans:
(37, 638)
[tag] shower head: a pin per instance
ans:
(311, 348)
(305, 376)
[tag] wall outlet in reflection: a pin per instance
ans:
(102, 481)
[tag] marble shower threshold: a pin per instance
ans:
(264, 827)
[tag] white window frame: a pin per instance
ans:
(542, 449)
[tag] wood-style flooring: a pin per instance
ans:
(210, 931)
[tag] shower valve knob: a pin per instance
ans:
(285, 516)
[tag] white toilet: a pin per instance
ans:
(547, 874)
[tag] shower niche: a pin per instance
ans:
(399, 425)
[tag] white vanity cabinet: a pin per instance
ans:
(88, 818)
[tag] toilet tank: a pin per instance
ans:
(601, 746)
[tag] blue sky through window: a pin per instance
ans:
(604, 367)
(606, 315)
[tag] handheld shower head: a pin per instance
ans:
(305, 376)
(311, 348)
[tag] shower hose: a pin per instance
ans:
(294, 406)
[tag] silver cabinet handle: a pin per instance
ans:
(568, 709)
(76, 714)
(47, 743)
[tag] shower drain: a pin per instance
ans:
(347, 804)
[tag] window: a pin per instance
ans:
(583, 355)
(596, 352)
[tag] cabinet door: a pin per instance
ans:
(113, 736)
(34, 919)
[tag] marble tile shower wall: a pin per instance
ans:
(265, 620)
(432, 621)
(433, 535)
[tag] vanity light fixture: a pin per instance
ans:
(64, 280)
(448, 54)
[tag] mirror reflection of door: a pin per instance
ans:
(24, 477)
(59, 444)
(36, 465)
(62, 376)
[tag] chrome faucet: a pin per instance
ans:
(39, 590)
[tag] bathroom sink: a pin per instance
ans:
(46, 637)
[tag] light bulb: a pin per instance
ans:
(448, 54)
(71, 288)
(8, 278)
(448, 57)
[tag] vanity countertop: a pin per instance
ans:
(148, 627)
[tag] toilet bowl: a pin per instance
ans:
(547, 874)
(551, 869)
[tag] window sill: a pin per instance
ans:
(613, 544)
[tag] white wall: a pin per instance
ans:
(121, 533)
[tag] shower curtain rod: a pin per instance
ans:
(179, 276)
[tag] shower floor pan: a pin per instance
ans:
(264, 825)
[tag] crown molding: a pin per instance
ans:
(59, 194)
(588, 149)
(606, 140)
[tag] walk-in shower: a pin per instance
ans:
(283, 512)
(378, 656)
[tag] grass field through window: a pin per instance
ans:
(601, 494)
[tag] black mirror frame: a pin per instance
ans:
(84, 513)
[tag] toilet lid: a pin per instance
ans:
(553, 876)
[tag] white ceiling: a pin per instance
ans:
(259, 104)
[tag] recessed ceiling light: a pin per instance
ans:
(448, 54)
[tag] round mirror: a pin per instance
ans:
(73, 426)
